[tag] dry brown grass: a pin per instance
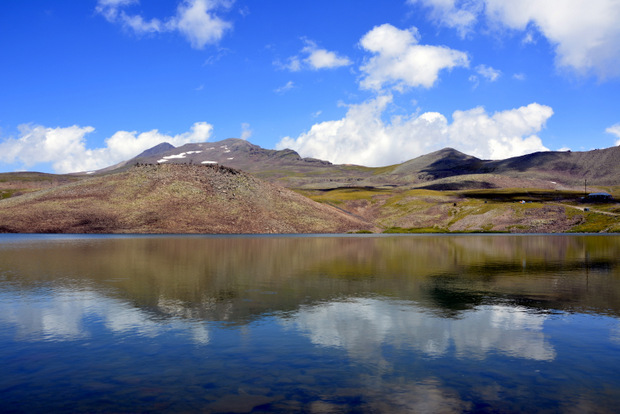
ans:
(172, 199)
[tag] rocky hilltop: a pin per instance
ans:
(172, 199)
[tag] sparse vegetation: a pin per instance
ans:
(397, 230)
(445, 191)
(172, 199)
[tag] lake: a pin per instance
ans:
(412, 323)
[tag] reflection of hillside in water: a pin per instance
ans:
(237, 279)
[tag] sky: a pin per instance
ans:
(87, 84)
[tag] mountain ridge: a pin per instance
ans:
(233, 186)
(287, 167)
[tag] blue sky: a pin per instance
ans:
(86, 84)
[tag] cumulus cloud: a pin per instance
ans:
(194, 19)
(363, 137)
(198, 24)
(615, 130)
(65, 147)
(399, 61)
(314, 58)
(586, 35)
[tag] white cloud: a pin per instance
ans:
(65, 148)
(194, 19)
(585, 34)
(504, 134)
(284, 88)
(294, 64)
(488, 72)
(311, 57)
(363, 137)
(246, 132)
(38, 144)
(399, 60)
(141, 26)
(462, 17)
(323, 59)
(110, 8)
(198, 24)
(615, 130)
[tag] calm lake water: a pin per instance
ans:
(420, 323)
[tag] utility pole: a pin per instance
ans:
(585, 183)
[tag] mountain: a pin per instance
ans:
(156, 150)
(600, 166)
(284, 166)
(233, 186)
(172, 199)
(446, 169)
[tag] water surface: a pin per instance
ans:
(420, 323)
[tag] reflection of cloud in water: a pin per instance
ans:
(55, 316)
(63, 314)
(426, 397)
(363, 326)
(511, 331)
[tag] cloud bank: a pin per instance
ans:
(584, 34)
(65, 147)
(363, 137)
(194, 19)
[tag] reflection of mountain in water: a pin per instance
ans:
(362, 326)
(238, 279)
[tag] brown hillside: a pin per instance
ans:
(172, 199)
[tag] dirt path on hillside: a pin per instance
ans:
(607, 213)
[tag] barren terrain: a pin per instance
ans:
(172, 199)
(233, 186)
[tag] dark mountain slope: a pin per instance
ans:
(601, 167)
(446, 162)
(156, 150)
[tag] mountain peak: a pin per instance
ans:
(157, 149)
